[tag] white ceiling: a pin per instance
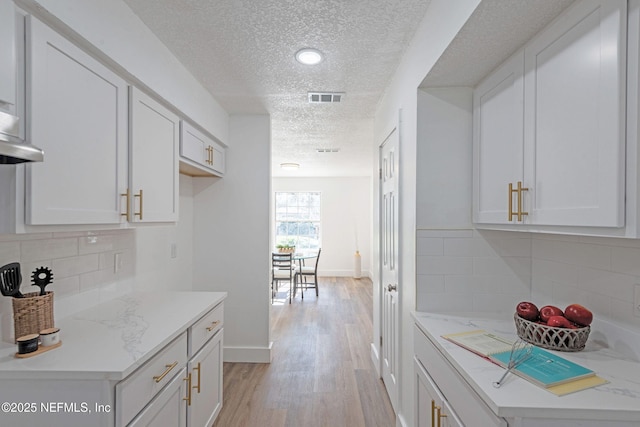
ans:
(242, 51)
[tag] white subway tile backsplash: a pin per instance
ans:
(626, 261)
(444, 265)
(459, 247)
(450, 234)
(75, 266)
(601, 282)
(429, 246)
(34, 250)
(558, 271)
(431, 282)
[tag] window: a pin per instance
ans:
(298, 220)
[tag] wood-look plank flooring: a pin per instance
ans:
(321, 374)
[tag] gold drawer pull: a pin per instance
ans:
(188, 398)
(197, 387)
(141, 202)
(127, 204)
(213, 325)
(159, 378)
(440, 416)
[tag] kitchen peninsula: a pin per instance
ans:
(123, 362)
(461, 381)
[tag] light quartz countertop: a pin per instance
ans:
(605, 353)
(110, 340)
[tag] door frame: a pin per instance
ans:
(394, 127)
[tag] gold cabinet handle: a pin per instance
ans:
(433, 411)
(159, 378)
(213, 325)
(519, 213)
(139, 214)
(520, 189)
(209, 155)
(197, 387)
(188, 398)
(127, 204)
(511, 191)
(440, 416)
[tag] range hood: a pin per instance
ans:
(15, 152)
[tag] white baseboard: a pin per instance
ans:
(248, 354)
(340, 273)
(375, 358)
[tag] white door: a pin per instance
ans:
(389, 183)
(497, 141)
(78, 116)
(206, 380)
(574, 117)
(155, 133)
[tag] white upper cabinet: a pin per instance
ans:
(575, 116)
(497, 140)
(153, 170)
(7, 56)
(78, 116)
(200, 155)
(563, 142)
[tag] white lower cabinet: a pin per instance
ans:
(205, 398)
(167, 409)
(432, 408)
(443, 397)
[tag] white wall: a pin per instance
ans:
(441, 23)
(443, 157)
(346, 213)
(231, 238)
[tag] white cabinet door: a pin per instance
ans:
(153, 160)
(206, 379)
(497, 140)
(432, 409)
(574, 117)
(7, 56)
(199, 154)
(168, 408)
(78, 116)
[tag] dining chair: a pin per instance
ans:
(283, 269)
(307, 272)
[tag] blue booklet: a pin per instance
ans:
(544, 368)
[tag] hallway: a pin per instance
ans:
(321, 374)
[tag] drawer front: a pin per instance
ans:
(137, 390)
(205, 328)
(465, 402)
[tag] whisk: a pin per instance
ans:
(520, 352)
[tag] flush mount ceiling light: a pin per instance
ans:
(290, 166)
(309, 56)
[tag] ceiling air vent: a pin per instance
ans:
(325, 97)
(327, 150)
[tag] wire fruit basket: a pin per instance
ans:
(552, 338)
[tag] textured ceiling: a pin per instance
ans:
(242, 51)
(495, 30)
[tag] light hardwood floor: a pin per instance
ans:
(321, 374)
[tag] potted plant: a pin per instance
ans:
(286, 247)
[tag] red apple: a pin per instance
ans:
(558, 322)
(578, 314)
(527, 310)
(549, 310)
